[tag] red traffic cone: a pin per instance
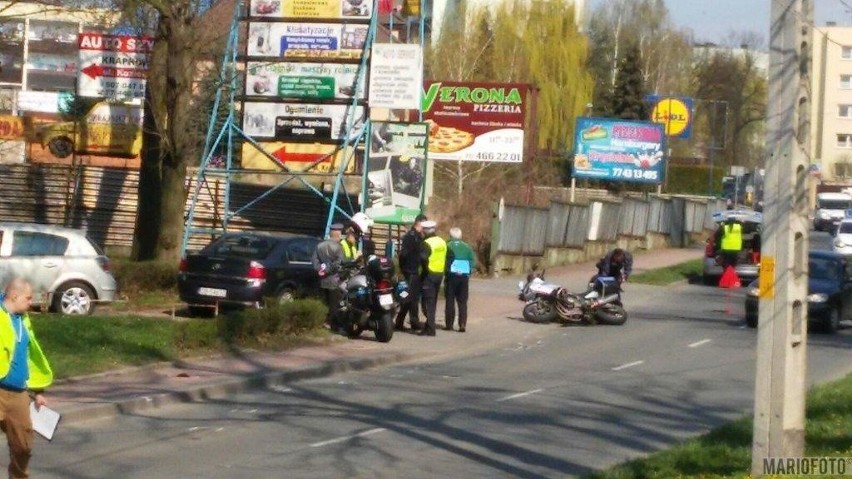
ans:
(729, 278)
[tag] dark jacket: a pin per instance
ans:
(607, 268)
(410, 251)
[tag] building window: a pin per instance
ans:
(846, 53)
(844, 140)
(846, 82)
(844, 110)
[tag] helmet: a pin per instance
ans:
(362, 221)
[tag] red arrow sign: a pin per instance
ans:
(95, 71)
(283, 156)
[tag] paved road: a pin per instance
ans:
(550, 401)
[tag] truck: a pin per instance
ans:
(831, 209)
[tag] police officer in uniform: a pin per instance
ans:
(461, 261)
(409, 265)
(730, 241)
(434, 258)
(326, 261)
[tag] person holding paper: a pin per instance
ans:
(460, 264)
(23, 368)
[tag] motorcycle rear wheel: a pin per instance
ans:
(611, 314)
(539, 312)
(384, 329)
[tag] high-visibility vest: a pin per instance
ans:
(732, 237)
(349, 251)
(438, 256)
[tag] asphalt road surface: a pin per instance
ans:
(554, 401)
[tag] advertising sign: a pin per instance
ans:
(323, 9)
(475, 121)
(113, 66)
(675, 114)
(618, 150)
(314, 81)
(307, 40)
(11, 127)
(396, 76)
(301, 121)
(395, 171)
(297, 157)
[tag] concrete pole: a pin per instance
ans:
(779, 408)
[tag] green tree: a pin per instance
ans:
(628, 100)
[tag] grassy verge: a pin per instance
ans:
(726, 451)
(689, 270)
(79, 346)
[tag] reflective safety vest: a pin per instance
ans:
(732, 237)
(438, 255)
(349, 251)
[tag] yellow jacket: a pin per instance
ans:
(41, 376)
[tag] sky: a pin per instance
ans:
(714, 20)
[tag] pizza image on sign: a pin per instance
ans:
(445, 139)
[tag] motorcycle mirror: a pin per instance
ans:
(520, 285)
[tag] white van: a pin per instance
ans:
(830, 210)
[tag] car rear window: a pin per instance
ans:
(240, 246)
(32, 243)
(834, 204)
(845, 227)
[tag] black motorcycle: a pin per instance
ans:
(371, 297)
(546, 302)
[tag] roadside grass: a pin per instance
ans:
(725, 452)
(690, 270)
(82, 345)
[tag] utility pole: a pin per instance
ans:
(779, 407)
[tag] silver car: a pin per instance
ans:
(68, 271)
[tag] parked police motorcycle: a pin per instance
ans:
(546, 302)
(371, 297)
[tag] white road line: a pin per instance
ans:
(519, 395)
(628, 365)
(700, 343)
(347, 438)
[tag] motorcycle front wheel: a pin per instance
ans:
(384, 328)
(540, 311)
(611, 314)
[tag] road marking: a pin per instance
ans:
(700, 343)
(628, 365)
(519, 395)
(347, 438)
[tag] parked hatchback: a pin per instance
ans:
(243, 269)
(748, 261)
(829, 292)
(68, 271)
(843, 238)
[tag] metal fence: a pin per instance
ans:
(530, 230)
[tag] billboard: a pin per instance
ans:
(619, 150)
(475, 121)
(674, 113)
(314, 9)
(396, 76)
(395, 171)
(301, 121)
(113, 66)
(311, 81)
(307, 40)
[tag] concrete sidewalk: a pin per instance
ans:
(135, 389)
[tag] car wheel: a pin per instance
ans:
(710, 280)
(61, 147)
(74, 298)
(286, 295)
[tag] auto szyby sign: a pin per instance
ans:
(113, 66)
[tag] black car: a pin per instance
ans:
(243, 269)
(829, 292)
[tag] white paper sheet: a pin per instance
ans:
(44, 420)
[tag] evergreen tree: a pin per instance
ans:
(628, 96)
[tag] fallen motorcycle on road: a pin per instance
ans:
(547, 302)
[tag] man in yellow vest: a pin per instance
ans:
(730, 242)
(350, 244)
(434, 263)
(24, 370)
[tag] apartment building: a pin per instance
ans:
(831, 96)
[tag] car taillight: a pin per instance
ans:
(103, 262)
(182, 265)
(256, 271)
